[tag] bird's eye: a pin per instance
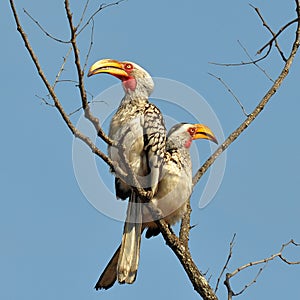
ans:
(192, 131)
(128, 66)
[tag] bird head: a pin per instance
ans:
(183, 134)
(134, 78)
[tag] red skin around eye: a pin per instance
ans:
(188, 143)
(192, 131)
(128, 67)
(129, 83)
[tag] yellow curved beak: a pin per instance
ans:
(204, 132)
(109, 66)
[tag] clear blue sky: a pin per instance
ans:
(54, 244)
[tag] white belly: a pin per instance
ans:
(173, 192)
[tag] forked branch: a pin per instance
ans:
(53, 95)
(262, 262)
(80, 74)
(265, 24)
(261, 105)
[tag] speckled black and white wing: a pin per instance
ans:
(154, 143)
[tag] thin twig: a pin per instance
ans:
(68, 80)
(251, 282)
(101, 7)
(270, 30)
(231, 92)
(90, 47)
(83, 14)
(80, 108)
(243, 63)
(61, 68)
(77, 84)
(75, 111)
(45, 101)
(254, 62)
(231, 245)
(44, 30)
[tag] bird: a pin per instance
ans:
(173, 191)
(138, 128)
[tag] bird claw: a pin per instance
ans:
(146, 196)
(149, 195)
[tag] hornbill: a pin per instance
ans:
(139, 129)
(173, 191)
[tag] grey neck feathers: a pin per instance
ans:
(141, 93)
(177, 142)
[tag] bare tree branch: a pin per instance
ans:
(80, 108)
(53, 95)
(231, 293)
(226, 263)
(90, 47)
(61, 68)
(70, 81)
(83, 14)
(236, 133)
(101, 7)
(45, 101)
(80, 73)
(243, 63)
(45, 31)
(255, 63)
(251, 282)
(270, 30)
(87, 111)
(264, 261)
(270, 42)
(231, 92)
